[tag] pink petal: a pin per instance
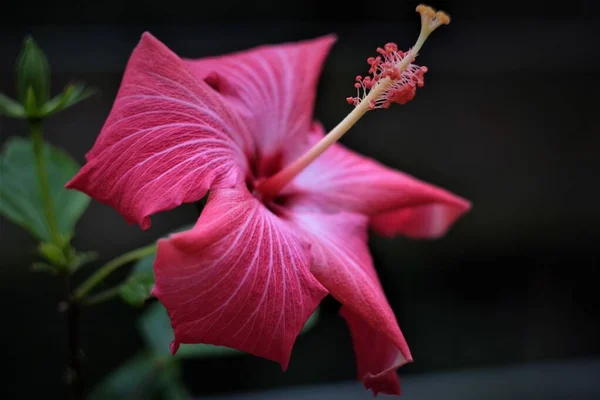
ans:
(342, 263)
(419, 222)
(275, 87)
(240, 278)
(168, 139)
(374, 352)
(398, 203)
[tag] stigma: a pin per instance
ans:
(393, 78)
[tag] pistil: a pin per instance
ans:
(394, 81)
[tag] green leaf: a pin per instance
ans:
(63, 257)
(53, 254)
(135, 293)
(311, 322)
(20, 195)
(137, 287)
(175, 391)
(10, 107)
(172, 387)
(204, 350)
(71, 95)
(138, 378)
(43, 267)
(83, 258)
(155, 327)
(31, 107)
(145, 376)
(33, 75)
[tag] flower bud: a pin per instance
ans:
(33, 76)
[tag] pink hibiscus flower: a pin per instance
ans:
(288, 210)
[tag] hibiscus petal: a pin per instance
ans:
(275, 86)
(240, 278)
(398, 203)
(342, 263)
(168, 139)
(419, 222)
(374, 352)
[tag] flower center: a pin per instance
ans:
(261, 168)
(394, 80)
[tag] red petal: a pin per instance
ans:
(397, 202)
(168, 139)
(275, 85)
(240, 278)
(342, 263)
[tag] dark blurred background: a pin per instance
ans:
(508, 118)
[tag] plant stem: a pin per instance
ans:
(35, 126)
(110, 267)
(102, 296)
(74, 373)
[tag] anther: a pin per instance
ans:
(394, 78)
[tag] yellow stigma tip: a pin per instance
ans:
(442, 17)
(431, 19)
(425, 10)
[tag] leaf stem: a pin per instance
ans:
(35, 126)
(111, 266)
(102, 296)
